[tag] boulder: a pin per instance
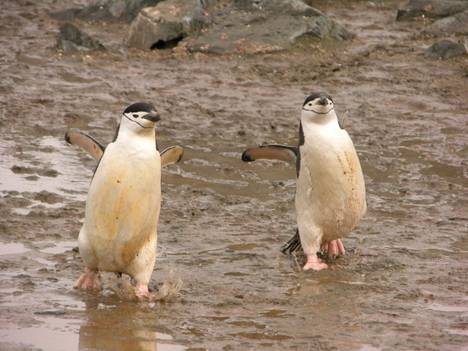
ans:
(254, 26)
(72, 39)
(164, 25)
(431, 8)
(231, 26)
(106, 10)
(446, 49)
(456, 24)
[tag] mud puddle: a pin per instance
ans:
(402, 285)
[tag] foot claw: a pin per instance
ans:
(324, 247)
(341, 249)
(332, 249)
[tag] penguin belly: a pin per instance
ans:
(330, 196)
(122, 212)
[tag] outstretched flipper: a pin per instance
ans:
(171, 155)
(293, 244)
(271, 152)
(283, 153)
(87, 143)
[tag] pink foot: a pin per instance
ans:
(324, 247)
(88, 281)
(341, 250)
(142, 292)
(313, 262)
(333, 248)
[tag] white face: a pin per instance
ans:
(317, 109)
(139, 121)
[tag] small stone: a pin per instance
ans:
(446, 49)
(52, 312)
(47, 197)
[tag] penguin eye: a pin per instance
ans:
(135, 115)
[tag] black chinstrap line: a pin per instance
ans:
(135, 122)
(319, 113)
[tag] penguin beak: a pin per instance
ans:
(323, 101)
(153, 117)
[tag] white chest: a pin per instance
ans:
(330, 186)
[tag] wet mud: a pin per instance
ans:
(401, 286)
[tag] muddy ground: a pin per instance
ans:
(401, 286)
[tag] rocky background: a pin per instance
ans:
(248, 27)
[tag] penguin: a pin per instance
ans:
(119, 233)
(95, 149)
(330, 195)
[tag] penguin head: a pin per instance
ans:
(318, 107)
(139, 117)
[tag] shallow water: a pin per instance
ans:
(402, 284)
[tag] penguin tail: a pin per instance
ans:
(292, 245)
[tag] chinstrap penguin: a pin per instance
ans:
(330, 194)
(119, 233)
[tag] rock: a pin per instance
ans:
(106, 10)
(72, 39)
(57, 312)
(431, 8)
(231, 26)
(164, 25)
(47, 197)
(445, 49)
(254, 26)
(456, 24)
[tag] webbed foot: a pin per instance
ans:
(333, 248)
(89, 280)
(313, 262)
(142, 292)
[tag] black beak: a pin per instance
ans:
(323, 101)
(153, 117)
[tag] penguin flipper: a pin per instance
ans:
(86, 142)
(271, 152)
(292, 244)
(171, 155)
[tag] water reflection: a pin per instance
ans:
(122, 326)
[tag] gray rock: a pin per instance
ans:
(431, 8)
(446, 49)
(72, 39)
(57, 312)
(231, 26)
(456, 24)
(164, 25)
(106, 10)
(253, 26)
